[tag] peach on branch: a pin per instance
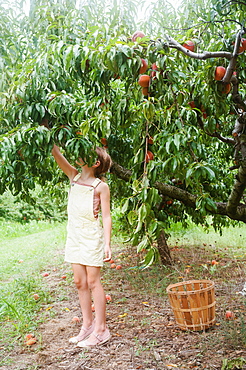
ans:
(226, 88)
(104, 141)
(144, 80)
(137, 34)
(192, 104)
(219, 73)
(144, 66)
(154, 69)
(190, 45)
(149, 156)
(150, 140)
(242, 46)
(145, 91)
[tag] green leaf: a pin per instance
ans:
(125, 206)
(142, 212)
(143, 244)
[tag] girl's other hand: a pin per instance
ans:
(107, 252)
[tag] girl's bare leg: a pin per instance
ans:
(94, 284)
(80, 279)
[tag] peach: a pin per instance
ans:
(137, 34)
(144, 66)
(149, 156)
(144, 80)
(219, 73)
(31, 341)
(75, 319)
(108, 298)
(229, 315)
(189, 45)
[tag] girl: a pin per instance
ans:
(84, 244)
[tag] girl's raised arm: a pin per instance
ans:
(62, 162)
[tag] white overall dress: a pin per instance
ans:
(85, 243)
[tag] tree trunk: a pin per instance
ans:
(164, 250)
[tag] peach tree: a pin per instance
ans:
(172, 121)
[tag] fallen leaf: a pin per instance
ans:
(145, 304)
(123, 315)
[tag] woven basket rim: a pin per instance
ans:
(168, 289)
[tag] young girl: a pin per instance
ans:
(85, 241)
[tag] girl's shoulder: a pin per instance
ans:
(102, 187)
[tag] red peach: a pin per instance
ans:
(229, 315)
(144, 66)
(137, 34)
(108, 298)
(31, 341)
(75, 319)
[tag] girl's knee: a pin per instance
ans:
(80, 283)
(93, 283)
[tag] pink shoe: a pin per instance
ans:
(95, 340)
(83, 334)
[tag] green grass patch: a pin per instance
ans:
(232, 240)
(28, 253)
(26, 250)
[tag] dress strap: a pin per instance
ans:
(76, 177)
(96, 182)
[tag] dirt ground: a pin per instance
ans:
(144, 332)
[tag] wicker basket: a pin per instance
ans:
(193, 304)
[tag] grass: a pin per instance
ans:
(26, 250)
(232, 238)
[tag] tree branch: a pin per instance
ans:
(238, 190)
(232, 64)
(235, 2)
(238, 213)
(216, 134)
(203, 56)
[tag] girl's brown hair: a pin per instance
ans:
(105, 162)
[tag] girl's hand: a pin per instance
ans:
(108, 254)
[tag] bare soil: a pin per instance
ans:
(140, 318)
